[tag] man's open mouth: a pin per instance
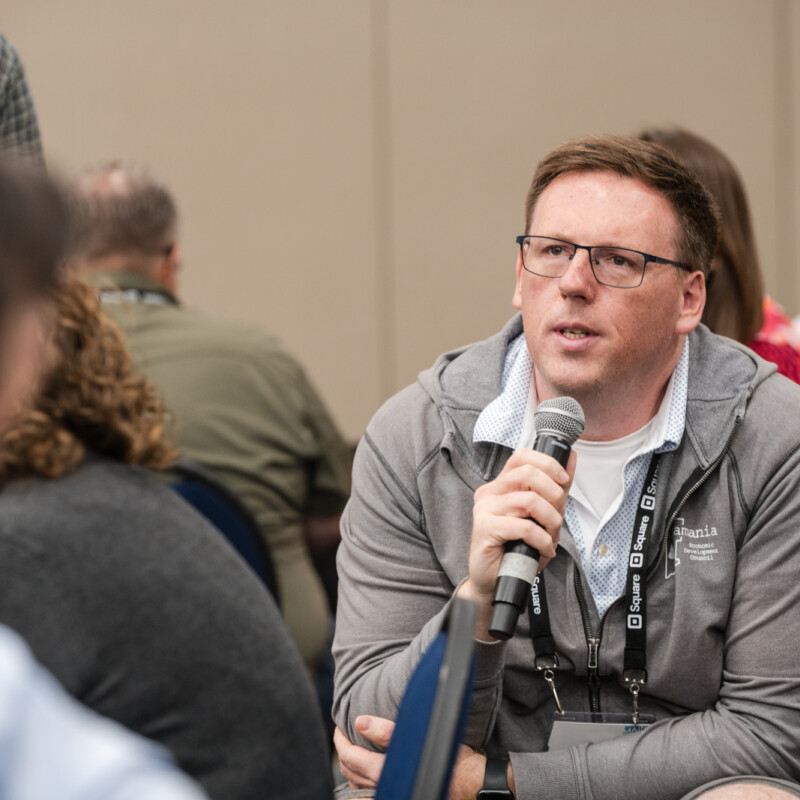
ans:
(573, 333)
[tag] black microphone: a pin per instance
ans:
(558, 424)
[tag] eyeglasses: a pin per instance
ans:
(617, 267)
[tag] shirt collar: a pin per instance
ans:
(669, 422)
(502, 421)
(120, 287)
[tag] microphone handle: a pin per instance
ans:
(521, 561)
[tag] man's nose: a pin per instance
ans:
(579, 278)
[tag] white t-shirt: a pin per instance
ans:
(597, 485)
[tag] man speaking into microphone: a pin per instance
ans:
(657, 651)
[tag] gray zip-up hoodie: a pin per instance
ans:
(723, 617)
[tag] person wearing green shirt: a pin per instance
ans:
(243, 407)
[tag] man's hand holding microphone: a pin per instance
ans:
(517, 519)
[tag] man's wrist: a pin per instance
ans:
(495, 781)
(483, 607)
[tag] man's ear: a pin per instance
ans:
(167, 273)
(693, 302)
(516, 300)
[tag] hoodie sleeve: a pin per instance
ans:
(393, 591)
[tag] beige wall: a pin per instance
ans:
(351, 174)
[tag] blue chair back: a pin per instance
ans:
(433, 714)
(223, 509)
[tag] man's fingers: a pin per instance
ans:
(521, 505)
(500, 529)
(359, 766)
(523, 457)
(377, 729)
(527, 478)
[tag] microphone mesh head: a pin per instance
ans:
(562, 417)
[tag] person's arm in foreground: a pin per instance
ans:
(52, 746)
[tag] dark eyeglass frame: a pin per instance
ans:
(647, 258)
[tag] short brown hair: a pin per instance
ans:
(736, 288)
(90, 399)
(630, 157)
(122, 208)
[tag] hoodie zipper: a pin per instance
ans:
(594, 638)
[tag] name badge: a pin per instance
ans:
(584, 727)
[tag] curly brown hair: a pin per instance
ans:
(90, 398)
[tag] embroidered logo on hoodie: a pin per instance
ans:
(690, 543)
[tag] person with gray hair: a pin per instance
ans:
(243, 406)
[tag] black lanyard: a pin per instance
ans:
(634, 673)
(635, 587)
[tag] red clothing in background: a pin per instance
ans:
(779, 340)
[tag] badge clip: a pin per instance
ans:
(634, 679)
(547, 665)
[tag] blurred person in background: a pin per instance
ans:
(34, 227)
(243, 406)
(737, 305)
(129, 597)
